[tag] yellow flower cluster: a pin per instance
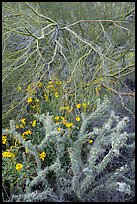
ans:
(8, 155)
(84, 105)
(30, 87)
(69, 125)
(67, 108)
(42, 155)
(23, 120)
(28, 132)
(19, 167)
(50, 87)
(66, 123)
(54, 81)
(4, 139)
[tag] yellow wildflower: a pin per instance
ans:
(64, 121)
(23, 120)
(67, 108)
(19, 88)
(37, 100)
(26, 150)
(78, 118)
(16, 142)
(34, 123)
(57, 118)
(21, 126)
(62, 117)
(84, 105)
(58, 82)
(56, 94)
(78, 105)
(8, 155)
(4, 139)
(91, 141)
(40, 84)
(28, 132)
(58, 128)
(19, 167)
(50, 87)
(29, 100)
(69, 125)
(46, 97)
(29, 88)
(17, 126)
(42, 155)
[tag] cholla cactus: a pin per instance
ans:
(99, 175)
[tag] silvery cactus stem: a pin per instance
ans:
(104, 173)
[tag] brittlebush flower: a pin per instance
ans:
(68, 125)
(28, 132)
(78, 118)
(59, 129)
(42, 155)
(23, 120)
(57, 118)
(40, 84)
(56, 94)
(46, 97)
(91, 141)
(37, 100)
(67, 108)
(21, 126)
(34, 123)
(17, 126)
(29, 100)
(19, 88)
(84, 105)
(8, 155)
(19, 167)
(78, 105)
(4, 139)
